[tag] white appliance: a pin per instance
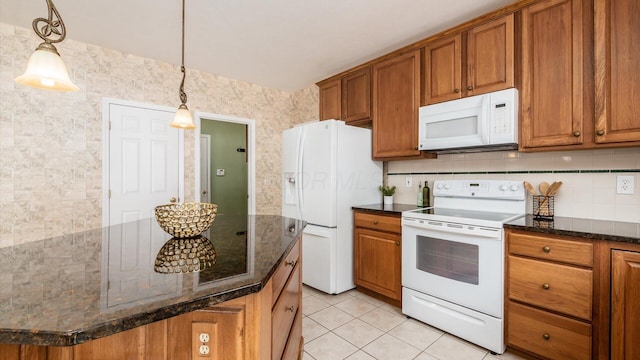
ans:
(453, 258)
(482, 122)
(327, 169)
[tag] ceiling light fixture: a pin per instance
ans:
(46, 69)
(183, 119)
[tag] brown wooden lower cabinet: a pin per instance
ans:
(625, 304)
(263, 325)
(377, 255)
(572, 297)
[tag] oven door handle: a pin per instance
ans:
(452, 228)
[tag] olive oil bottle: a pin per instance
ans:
(426, 195)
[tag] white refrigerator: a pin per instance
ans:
(327, 169)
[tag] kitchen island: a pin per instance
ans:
(95, 294)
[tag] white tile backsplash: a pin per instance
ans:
(584, 194)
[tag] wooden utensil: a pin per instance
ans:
(553, 188)
(530, 188)
(544, 188)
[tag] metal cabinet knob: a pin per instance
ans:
(546, 249)
(469, 87)
(291, 263)
(545, 286)
(289, 308)
(204, 192)
(456, 90)
(546, 337)
(173, 199)
(600, 132)
(397, 243)
(375, 222)
(576, 133)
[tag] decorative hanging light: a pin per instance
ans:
(46, 69)
(183, 119)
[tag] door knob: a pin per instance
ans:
(469, 87)
(173, 199)
(576, 133)
(456, 90)
(600, 132)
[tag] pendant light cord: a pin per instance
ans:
(183, 95)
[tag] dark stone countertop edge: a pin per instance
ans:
(394, 209)
(79, 336)
(75, 337)
(575, 233)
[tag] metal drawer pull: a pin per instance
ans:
(546, 337)
(546, 249)
(545, 286)
(289, 308)
(291, 263)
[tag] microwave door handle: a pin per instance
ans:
(485, 122)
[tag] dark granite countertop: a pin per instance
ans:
(393, 209)
(70, 289)
(586, 228)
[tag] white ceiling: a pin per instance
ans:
(283, 44)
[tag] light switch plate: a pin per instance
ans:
(408, 182)
(220, 172)
(624, 184)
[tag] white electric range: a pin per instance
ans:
(453, 258)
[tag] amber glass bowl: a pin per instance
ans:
(184, 220)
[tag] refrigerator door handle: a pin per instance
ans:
(299, 173)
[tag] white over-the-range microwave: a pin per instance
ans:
(476, 123)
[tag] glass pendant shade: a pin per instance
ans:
(46, 70)
(183, 119)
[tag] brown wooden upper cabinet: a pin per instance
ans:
(556, 107)
(396, 98)
(347, 98)
(617, 61)
(488, 64)
(552, 74)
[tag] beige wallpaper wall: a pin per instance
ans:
(51, 146)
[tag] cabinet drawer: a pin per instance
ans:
(283, 314)
(550, 248)
(284, 270)
(556, 287)
(548, 335)
(378, 222)
(293, 349)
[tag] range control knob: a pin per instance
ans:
(447, 186)
(514, 187)
(503, 187)
(439, 186)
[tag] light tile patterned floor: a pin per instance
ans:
(355, 326)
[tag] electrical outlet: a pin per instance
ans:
(624, 185)
(203, 350)
(204, 337)
(408, 182)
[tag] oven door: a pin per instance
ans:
(457, 263)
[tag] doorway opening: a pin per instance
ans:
(225, 171)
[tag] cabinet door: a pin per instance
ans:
(490, 52)
(396, 98)
(625, 305)
(356, 97)
(617, 82)
(377, 262)
(443, 69)
(552, 89)
(330, 100)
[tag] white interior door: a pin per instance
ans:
(142, 168)
(205, 168)
(143, 162)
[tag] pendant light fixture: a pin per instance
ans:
(183, 119)
(46, 69)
